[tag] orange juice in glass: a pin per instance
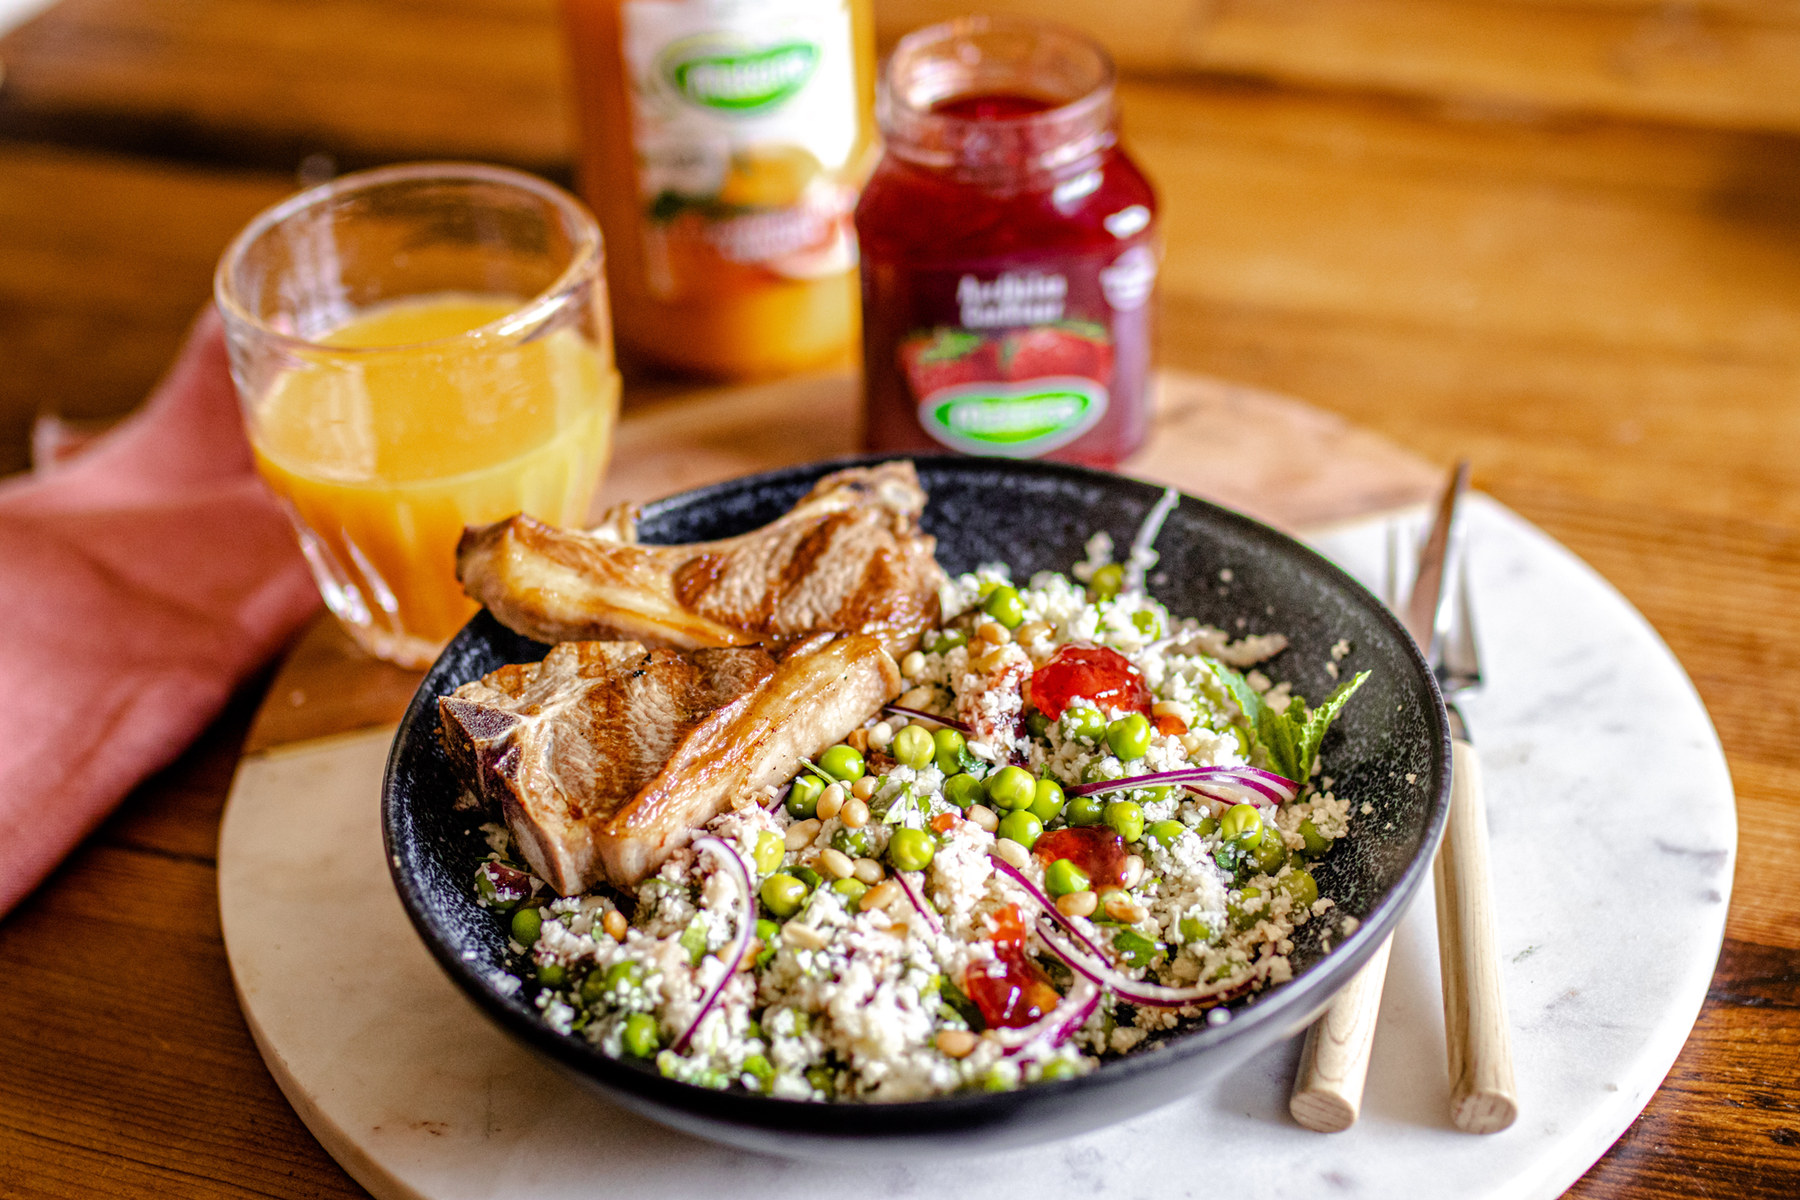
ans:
(417, 349)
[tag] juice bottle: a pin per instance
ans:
(382, 457)
(722, 144)
(1009, 251)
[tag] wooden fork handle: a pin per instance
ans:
(1483, 1098)
(1334, 1062)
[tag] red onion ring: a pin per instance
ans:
(918, 900)
(1048, 905)
(740, 944)
(950, 722)
(1268, 786)
(1056, 1026)
(1097, 971)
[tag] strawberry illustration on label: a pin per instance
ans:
(940, 358)
(1065, 348)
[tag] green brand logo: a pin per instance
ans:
(1020, 420)
(742, 81)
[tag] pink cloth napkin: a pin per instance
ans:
(140, 583)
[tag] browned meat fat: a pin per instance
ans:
(606, 756)
(849, 557)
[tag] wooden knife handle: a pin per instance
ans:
(1483, 1098)
(1334, 1062)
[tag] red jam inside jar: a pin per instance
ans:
(1008, 251)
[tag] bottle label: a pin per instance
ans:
(744, 117)
(1028, 367)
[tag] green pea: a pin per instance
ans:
(1003, 604)
(1247, 909)
(1241, 824)
(1107, 582)
(822, 1079)
(951, 750)
(949, 640)
(1270, 852)
(489, 891)
(1193, 929)
(761, 1070)
(1165, 833)
(619, 976)
(1022, 827)
(552, 974)
(842, 762)
(1316, 842)
(1129, 737)
(963, 789)
(1011, 787)
(641, 1038)
(1085, 810)
(1300, 887)
(526, 924)
(1084, 723)
(857, 843)
(1126, 818)
(1146, 623)
(1047, 801)
(783, 894)
(910, 849)
(1058, 1068)
(803, 797)
(1207, 826)
(1064, 878)
(1037, 724)
(913, 747)
(769, 850)
(1135, 948)
(851, 890)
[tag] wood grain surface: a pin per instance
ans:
(1598, 301)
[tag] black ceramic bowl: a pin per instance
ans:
(1390, 749)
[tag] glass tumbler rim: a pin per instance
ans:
(586, 257)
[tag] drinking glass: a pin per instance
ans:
(419, 348)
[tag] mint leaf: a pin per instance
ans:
(1313, 732)
(1289, 740)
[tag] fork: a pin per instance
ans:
(1483, 1096)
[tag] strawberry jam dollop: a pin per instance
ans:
(1103, 678)
(1010, 990)
(1096, 850)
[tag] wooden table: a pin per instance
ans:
(1591, 286)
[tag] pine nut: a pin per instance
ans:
(1013, 853)
(869, 871)
(804, 936)
(983, 816)
(994, 634)
(615, 924)
(912, 664)
(831, 801)
(854, 814)
(1030, 632)
(880, 896)
(836, 863)
(988, 662)
(956, 1043)
(1077, 904)
(1134, 870)
(858, 740)
(865, 787)
(748, 962)
(919, 697)
(882, 736)
(1169, 708)
(801, 834)
(1120, 907)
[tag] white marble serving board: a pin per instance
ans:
(1613, 827)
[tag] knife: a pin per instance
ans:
(1334, 1061)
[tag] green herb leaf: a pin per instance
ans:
(693, 940)
(965, 1008)
(1289, 740)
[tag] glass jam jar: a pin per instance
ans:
(1009, 251)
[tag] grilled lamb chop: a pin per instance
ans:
(606, 756)
(849, 558)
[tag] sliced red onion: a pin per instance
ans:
(950, 722)
(1056, 1026)
(1097, 970)
(918, 900)
(1048, 905)
(1141, 557)
(1266, 785)
(733, 958)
